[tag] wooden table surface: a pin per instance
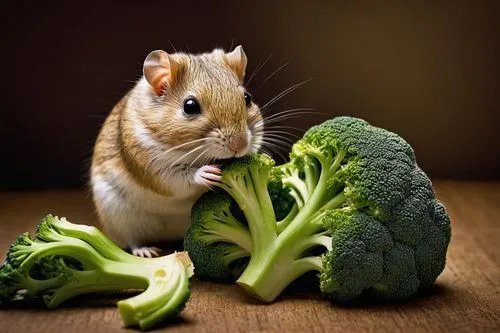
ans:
(466, 297)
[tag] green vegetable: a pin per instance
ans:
(363, 215)
(66, 259)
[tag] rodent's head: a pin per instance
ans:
(201, 99)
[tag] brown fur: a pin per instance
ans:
(217, 86)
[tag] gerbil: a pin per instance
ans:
(154, 154)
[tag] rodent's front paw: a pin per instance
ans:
(149, 252)
(208, 175)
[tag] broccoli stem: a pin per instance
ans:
(317, 198)
(224, 227)
(115, 276)
(165, 280)
(297, 197)
(273, 267)
(281, 225)
(278, 276)
(259, 214)
(300, 188)
(161, 277)
(235, 234)
(35, 286)
(235, 254)
(270, 272)
(263, 197)
(97, 239)
(73, 247)
(311, 242)
(73, 266)
(100, 274)
(315, 222)
(311, 177)
(165, 297)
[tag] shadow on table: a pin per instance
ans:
(307, 288)
(90, 300)
(93, 300)
(178, 321)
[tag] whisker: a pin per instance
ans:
(184, 144)
(185, 155)
(280, 133)
(269, 142)
(284, 127)
(172, 45)
(275, 151)
(291, 111)
(201, 154)
(286, 116)
(276, 142)
(279, 119)
(275, 145)
(132, 81)
(288, 111)
(278, 137)
(286, 144)
(163, 153)
(281, 115)
(205, 160)
(272, 74)
(264, 150)
(274, 138)
(256, 71)
(284, 93)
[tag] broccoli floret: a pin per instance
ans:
(355, 261)
(283, 201)
(220, 243)
(358, 195)
(66, 259)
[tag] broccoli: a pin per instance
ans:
(66, 259)
(218, 224)
(364, 216)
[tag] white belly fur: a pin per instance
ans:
(135, 215)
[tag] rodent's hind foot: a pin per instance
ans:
(149, 252)
(208, 175)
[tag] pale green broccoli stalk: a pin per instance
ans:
(360, 199)
(219, 234)
(66, 259)
(219, 238)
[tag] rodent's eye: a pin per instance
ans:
(191, 106)
(248, 99)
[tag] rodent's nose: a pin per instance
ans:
(238, 143)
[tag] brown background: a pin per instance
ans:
(428, 71)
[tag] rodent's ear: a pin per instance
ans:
(237, 60)
(159, 70)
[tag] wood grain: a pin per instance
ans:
(466, 297)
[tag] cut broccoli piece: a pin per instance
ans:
(66, 259)
(358, 194)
